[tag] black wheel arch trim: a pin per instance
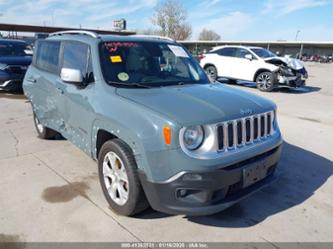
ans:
(261, 70)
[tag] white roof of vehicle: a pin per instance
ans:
(233, 46)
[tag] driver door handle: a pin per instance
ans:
(61, 91)
(32, 80)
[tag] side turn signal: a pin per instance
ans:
(167, 135)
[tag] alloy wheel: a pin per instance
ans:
(115, 178)
(40, 127)
(211, 71)
(264, 81)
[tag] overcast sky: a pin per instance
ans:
(232, 19)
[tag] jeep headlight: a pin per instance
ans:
(193, 137)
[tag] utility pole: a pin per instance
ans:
(0, 32)
(52, 18)
(297, 33)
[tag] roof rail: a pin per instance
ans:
(75, 32)
(157, 37)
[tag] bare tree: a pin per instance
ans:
(184, 32)
(209, 35)
(170, 16)
(148, 31)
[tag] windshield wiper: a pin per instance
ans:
(182, 83)
(134, 84)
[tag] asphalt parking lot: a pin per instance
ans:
(49, 190)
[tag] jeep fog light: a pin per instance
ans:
(193, 137)
(192, 177)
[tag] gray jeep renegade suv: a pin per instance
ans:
(161, 132)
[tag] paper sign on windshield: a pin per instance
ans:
(178, 51)
(116, 59)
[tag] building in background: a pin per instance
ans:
(291, 48)
(30, 33)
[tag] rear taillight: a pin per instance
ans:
(201, 56)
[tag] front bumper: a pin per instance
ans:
(204, 193)
(11, 80)
(297, 80)
(13, 84)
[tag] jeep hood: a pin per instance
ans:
(198, 104)
(290, 62)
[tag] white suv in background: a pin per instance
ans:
(253, 64)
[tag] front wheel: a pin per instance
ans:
(265, 81)
(211, 72)
(119, 178)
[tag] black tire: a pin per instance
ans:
(42, 131)
(16, 90)
(136, 201)
(265, 81)
(211, 72)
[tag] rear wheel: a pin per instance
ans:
(265, 81)
(42, 131)
(119, 178)
(211, 72)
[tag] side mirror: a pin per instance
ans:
(249, 57)
(71, 75)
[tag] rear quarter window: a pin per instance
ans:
(47, 56)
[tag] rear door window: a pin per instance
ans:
(47, 57)
(230, 52)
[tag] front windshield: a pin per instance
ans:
(150, 64)
(263, 53)
(12, 49)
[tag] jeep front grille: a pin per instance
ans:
(241, 132)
